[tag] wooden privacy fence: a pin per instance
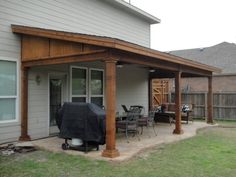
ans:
(224, 104)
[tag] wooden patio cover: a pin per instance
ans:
(49, 47)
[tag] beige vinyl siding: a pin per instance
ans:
(38, 105)
(83, 16)
(9, 132)
(132, 87)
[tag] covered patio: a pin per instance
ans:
(44, 47)
(147, 141)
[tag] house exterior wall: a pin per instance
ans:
(194, 90)
(38, 104)
(220, 83)
(81, 16)
(38, 99)
(9, 132)
(132, 89)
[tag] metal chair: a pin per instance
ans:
(146, 121)
(125, 108)
(130, 124)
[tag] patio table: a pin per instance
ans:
(167, 116)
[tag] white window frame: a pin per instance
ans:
(90, 89)
(16, 97)
(87, 91)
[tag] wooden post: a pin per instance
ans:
(210, 102)
(205, 106)
(24, 105)
(178, 129)
(150, 94)
(110, 150)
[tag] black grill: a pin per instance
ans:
(84, 121)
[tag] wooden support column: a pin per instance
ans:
(150, 94)
(210, 102)
(110, 150)
(178, 129)
(24, 105)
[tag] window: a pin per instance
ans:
(96, 87)
(79, 84)
(8, 91)
(84, 90)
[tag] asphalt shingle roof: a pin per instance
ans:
(222, 55)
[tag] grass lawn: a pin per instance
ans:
(226, 123)
(212, 153)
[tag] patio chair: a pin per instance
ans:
(130, 124)
(125, 108)
(147, 121)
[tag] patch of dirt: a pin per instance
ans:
(11, 149)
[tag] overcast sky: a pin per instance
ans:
(190, 23)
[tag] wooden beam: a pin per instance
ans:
(110, 150)
(82, 57)
(158, 63)
(149, 64)
(145, 61)
(196, 71)
(210, 102)
(24, 105)
(178, 129)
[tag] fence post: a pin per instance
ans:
(210, 101)
(169, 97)
(205, 105)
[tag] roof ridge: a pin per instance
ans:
(202, 48)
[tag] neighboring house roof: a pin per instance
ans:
(136, 11)
(157, 57)
(222, 55)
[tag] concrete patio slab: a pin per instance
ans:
(147, 140)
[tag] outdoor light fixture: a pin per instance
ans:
(152, 70)
(38, 79)
(119, 65)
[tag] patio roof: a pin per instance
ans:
(126, 51)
